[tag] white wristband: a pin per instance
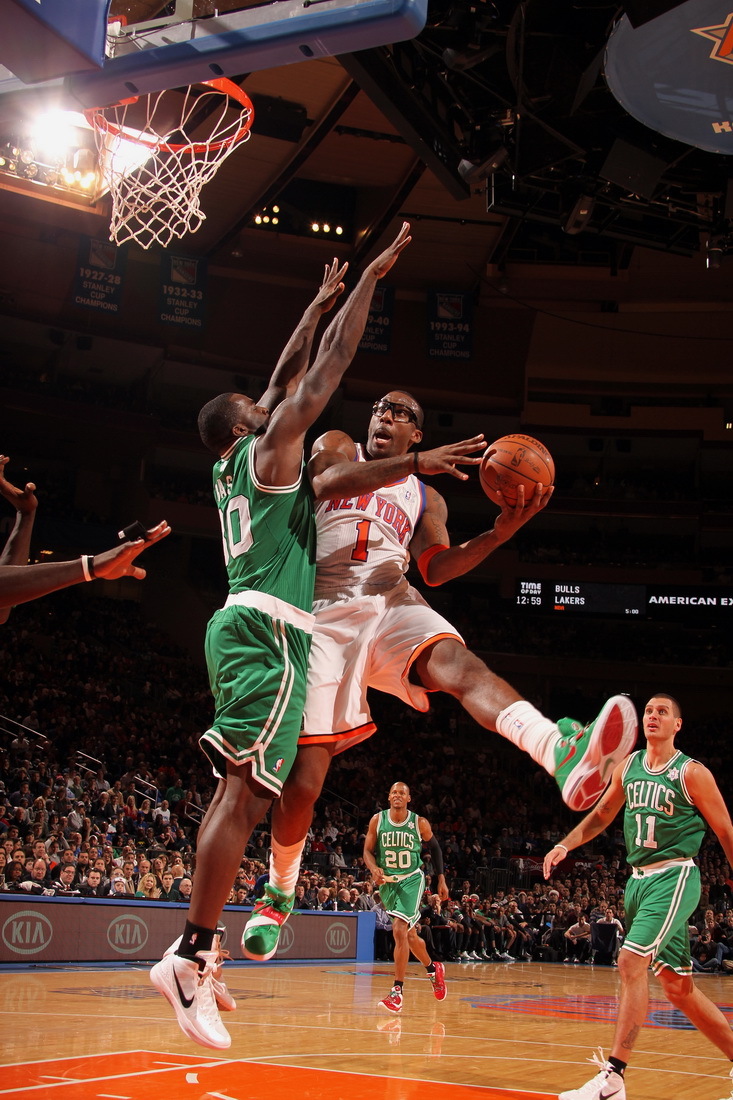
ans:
(563, 848)
(86, 567)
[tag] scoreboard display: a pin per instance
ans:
(646, 601)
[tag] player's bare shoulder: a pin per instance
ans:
(435, 504)
(335, 442)
(432, 529)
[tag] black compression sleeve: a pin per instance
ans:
(436, 855)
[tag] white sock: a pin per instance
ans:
(285, 865)
(529, 730)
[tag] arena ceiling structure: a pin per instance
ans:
(493, 131)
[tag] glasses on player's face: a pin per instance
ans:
(401, 413)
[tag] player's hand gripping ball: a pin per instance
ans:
(515, 460)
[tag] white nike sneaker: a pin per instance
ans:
(606, 1085)
(191, 993)
(224, 998)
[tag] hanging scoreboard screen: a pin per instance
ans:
(646, 601)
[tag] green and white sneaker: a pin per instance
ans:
(262, 930)
(585, 756)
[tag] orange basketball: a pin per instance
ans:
(515, 460)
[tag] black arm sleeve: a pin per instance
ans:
(436, 855)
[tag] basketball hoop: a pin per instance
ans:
(154, 171)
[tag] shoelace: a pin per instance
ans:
(599, 1059)
(268, 902)
(207, 1001)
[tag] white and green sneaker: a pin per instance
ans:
(262, 930)
(585, 756)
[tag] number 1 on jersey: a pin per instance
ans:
(360, 551)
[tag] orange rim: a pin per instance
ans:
(98, 120)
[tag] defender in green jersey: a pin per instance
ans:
(669, 801)
(393, 853)
(257, 645)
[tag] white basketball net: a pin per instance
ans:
(154, 178)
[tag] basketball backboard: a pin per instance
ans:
(186, 52)
(43, 39)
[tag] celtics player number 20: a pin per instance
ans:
(400, 860)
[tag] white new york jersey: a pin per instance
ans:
(363, 541)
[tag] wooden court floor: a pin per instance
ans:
(314, 1033)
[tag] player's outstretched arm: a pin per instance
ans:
(295, 357)
(279, 449)
(334, 473)
(599, 818)
(341, 338)
(17, 546)
(448, 562)
(22, 583)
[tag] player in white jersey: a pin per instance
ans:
(373, 629)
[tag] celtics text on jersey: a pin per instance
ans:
(660, 820)
(399, 845)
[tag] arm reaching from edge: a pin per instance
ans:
(22, 583)
(25, 502)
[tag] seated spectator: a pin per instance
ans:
(505, 932)
(168, 891)
(343, 901)
(703, 953)
(577, 939)
(301, 902)
(441, 929)
(525, 940)
(327, 901)
(363, 897)
(148, 887)
(92, 886)
(39, 879)
(185, 886)
(337, 860)
(118, 887)
(14, 876)
(65, 885)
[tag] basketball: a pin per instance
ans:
(515, 460)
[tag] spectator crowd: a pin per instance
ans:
(103, 787)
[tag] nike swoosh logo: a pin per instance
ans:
(185, 1001)
(570, 756)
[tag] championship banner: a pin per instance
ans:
(378, 332)
(99, 276)
(450, 325)
(182, 291)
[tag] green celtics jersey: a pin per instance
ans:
(269, 532)
(660, 821)
(398, 846)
